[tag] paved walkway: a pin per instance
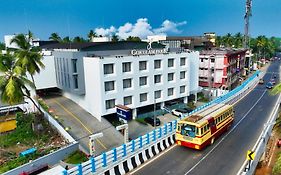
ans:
(81, 124)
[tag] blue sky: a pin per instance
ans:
(187, 17)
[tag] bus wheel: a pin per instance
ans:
(213, 140)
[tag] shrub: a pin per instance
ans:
(277, 166)
(141, 120)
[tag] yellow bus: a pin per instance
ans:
(202, 128)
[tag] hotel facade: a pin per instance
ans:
(99, 76)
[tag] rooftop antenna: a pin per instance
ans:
(248, 14)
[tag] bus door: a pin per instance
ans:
(212, 125)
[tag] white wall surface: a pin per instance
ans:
(47, 76)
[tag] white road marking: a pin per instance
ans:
(225, 135)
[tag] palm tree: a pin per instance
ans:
(219, 41)
(238, 40)
(66, 39)
(28, 57)
(78, 39)
(114, 38)
(13, 81)
(55, 37)
(228, 40)
(91, 35)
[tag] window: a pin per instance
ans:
(126, 67)
(212, 60)
(108, 69)
(75, 79)
(170, 76)
(142, 65)
(170, 91)
(109, 86)
(109, 104)
(182, 75)
(182, 61)
(143, 97)
(128, 100)
(127, 83)
(157, 94)
(143, 81)
(157, 79)
(74, 66)
(182, 89)
(157, 64)
(202, 60)
(171, 62)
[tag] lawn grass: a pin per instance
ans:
(76, 158)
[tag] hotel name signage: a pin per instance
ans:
(149, 50)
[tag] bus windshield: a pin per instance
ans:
(188, 130)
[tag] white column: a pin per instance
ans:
(195, 97)
(162, 104)
(185, 99)
(134, 113)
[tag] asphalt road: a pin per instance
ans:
(228, 153)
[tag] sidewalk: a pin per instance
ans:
(81, 124)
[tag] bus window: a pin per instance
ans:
(202, 131)
(188, 130)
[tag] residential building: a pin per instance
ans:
(221, 67)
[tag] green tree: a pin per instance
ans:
(28, 57)
(55, 37)
(238, 40)
(66, 39)
(114, 38)
(133, 38)
(13, 81)
(91, 35)
(2, 46)
(78, 39)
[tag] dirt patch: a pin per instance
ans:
(269, 158)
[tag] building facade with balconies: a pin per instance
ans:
(221, 68)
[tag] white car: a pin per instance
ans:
(180, 112)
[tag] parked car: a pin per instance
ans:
(272, 80)
(269, 85)
(180, 112)
(150, 120)
(261, 81)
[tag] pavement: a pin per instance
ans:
(228, 152)
(82, 124)
(137, 129)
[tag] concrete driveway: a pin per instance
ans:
(137, 129)
(82, 124)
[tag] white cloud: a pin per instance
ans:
(169, 26)
(105, 32)
(141, 28)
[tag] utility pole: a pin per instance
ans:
(248, 14)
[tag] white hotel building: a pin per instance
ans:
(98, 76)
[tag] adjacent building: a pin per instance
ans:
(221, 68)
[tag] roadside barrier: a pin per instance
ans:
(249, 166)
(128, 156)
